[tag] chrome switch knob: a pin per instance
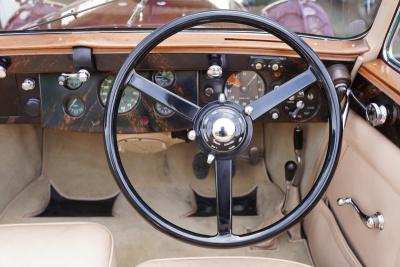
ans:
(214, 71)
(375, 114)
(28, 84)
(3, 72)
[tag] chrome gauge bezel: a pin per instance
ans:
(161, 115)
(164, 86)
(314, 113)
(65, 106)
(225, 89)
(103, 103)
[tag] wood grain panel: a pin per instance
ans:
(380, 74)
(186, 42)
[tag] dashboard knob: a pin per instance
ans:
(4, 64)
(32, 107)
(375, 114)
(28, 84)
(275, 67)
(275, 115)
(214, 71)
(3, 72)
(258, 66)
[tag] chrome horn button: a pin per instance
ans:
(223, 130)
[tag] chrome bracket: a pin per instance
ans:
(82, 75)
(375, 221)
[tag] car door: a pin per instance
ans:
(368, 172)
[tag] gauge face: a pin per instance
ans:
(75, 107)
(130, 96)
(163, 110)
(244, 87)
(164, 78)
(73, 84)
(303, 105)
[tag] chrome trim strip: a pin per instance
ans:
(387, 49)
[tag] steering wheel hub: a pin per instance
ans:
(222, 129)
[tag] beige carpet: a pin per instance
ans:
(75, 165)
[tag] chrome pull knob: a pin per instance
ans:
(3, 72)
(214, 71)
(375, 114)
(375, 221)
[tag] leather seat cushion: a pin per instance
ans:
(56, 244)
(221, 261)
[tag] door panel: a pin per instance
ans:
(368, 172)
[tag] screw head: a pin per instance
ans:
(191, 135)
(222, 98)
(248, 110)
(210, 158)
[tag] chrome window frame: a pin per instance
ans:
(387, 48)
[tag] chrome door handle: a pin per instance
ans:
(375, 221)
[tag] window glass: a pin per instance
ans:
(392, 48)
(330, 18)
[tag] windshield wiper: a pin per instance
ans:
(136, 12)
(72, 13)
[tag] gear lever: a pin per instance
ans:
(298, 148)
(290, 172)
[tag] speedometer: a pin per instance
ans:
(244, 87)
(130, 96)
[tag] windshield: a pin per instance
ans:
(330, 18)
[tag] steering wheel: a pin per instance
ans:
(223, 129)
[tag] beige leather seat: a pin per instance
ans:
(56, 244)
(221, 261)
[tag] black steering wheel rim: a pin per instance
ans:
(127, 71)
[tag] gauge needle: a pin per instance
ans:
(299, 106)
(73, 102)
(251, 80)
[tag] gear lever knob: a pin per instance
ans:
(298, 138)
(290, 170)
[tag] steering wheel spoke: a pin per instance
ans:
(286, 90)
(177, 103)
(223, 187)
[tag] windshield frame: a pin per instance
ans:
(387, 51)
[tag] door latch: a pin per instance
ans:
(375, 221)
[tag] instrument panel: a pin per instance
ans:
(80, 106)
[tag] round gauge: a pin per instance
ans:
(303, 105)
(72, 83)
(163, 110)
(164, 78)
(244, 87)
(75, 107)
(130, 96)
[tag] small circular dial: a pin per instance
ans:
(164, 78)
(163, 110)
(303, 105)
(73, 83)
(75, 107)
(244, 87)
(130, 96)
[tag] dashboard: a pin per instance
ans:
(79, 106)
